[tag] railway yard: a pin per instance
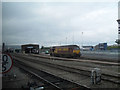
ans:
(60, 45)
(61, 73)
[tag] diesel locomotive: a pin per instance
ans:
(65, 51)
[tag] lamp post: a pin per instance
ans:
(73, 38)
(82, 39)
(66, 40)
(3, 47)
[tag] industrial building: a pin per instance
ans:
(118, 40)
(30, 48)
(101, 46)
(118, 26)
(85, 48)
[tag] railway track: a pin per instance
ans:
(105, 77)
(49, 79)
(71, 59)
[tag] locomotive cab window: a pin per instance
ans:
(76, 48)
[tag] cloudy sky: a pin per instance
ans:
(59, 23)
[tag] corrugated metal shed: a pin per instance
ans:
(30, 48)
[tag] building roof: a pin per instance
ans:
(67, 46)
(87, 46)
(30, 45)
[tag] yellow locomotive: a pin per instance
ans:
(65, 51)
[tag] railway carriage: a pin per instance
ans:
(65, 51)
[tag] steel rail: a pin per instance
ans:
(20, 65)
(58, 88)
(75, 70)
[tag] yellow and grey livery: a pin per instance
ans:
(65, 51)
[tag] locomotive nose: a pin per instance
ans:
(76, 51)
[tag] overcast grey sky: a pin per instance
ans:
(59, 23)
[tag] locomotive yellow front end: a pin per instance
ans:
(76, 52)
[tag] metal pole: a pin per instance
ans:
(73, 38)
(66, 40)
(82, 39)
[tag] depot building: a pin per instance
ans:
(30, 48)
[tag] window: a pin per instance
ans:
(76, 48)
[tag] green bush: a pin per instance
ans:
(113, 47)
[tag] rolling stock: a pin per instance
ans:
(65, 51)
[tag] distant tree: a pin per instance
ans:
(117, 41)
(42, 47)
